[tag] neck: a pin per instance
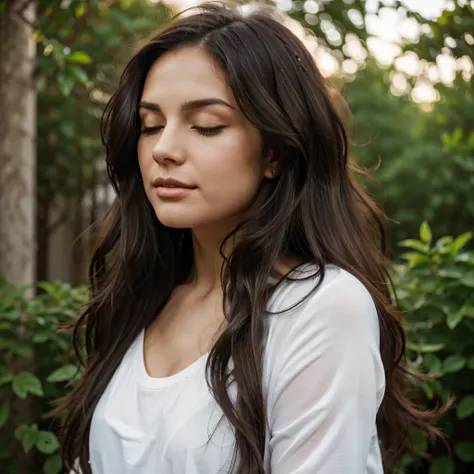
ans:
(207, 258)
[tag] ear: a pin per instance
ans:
(272, 165)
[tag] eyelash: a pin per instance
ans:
(205, 131)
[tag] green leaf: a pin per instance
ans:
(468, 280)
(470, 141)
(465, 451)
(414, 244)
(433, 364)
(52, 288)
(470, 364)
(407, 459)
(442, 465)
(446, 139)
(428, 391)
(456, 137)
(425, 233)
(79, 75)
(26, 382)
(64, 373)
(43, 336)
(4, 412)
(27, 435)
(465, 407)
(53, 465)
(444, 244)
(47, 442)
(460, 242)
(20, 431)
(468, 311)
(12, 314)
(7, 378)
(454, 318)
(65, 83)
(29, 440)
(80, 10)
(453, 364)
(80, 57)
(22, 350)
(414, 258)
(420, 441)
(425, 347)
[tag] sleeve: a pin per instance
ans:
(329, 383)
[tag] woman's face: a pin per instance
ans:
(194, 132)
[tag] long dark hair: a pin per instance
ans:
(314, 212)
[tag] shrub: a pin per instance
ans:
(36, 363)
(436, 289)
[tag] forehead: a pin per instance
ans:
(186, 74)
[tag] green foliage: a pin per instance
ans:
(454, 23)
(436, 289)
(77, 42)
(333, 23)
(35, 369)
(426, 154)
(80, 46)
(426, 158)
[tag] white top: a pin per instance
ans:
(322, 374)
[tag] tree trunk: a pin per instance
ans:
(17, 142)
(42, 240)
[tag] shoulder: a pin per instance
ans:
(338, 319)
(338, 300)
(334, 331)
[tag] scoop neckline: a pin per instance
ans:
(155, 383)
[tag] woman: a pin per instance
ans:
(240, 318)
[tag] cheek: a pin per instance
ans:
(232, 180)
(233, 168)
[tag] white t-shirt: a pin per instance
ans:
(322, 375)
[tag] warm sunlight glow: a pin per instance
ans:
(387, 30)
(424, 92)
(399, 84)
(409, 64)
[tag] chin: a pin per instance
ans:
(174, 222)
(175, 219)
(189, 220)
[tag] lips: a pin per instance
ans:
(172, 189)
(170, 183)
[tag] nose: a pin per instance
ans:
(169, 147)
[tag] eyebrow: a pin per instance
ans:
(187, 106)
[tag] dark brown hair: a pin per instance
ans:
(314, 212)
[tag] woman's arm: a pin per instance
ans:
(329, 385)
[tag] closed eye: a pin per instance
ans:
(150, 130)
(209, 131)
(205, 131)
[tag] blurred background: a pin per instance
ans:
(405, 69)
